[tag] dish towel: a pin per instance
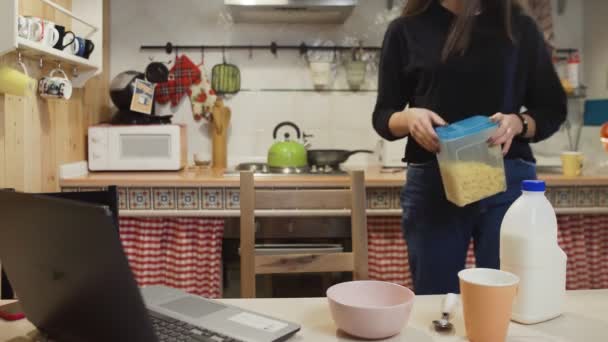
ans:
(202, 96)
(181, 78)
(541, 11)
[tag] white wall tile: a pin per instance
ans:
(338, 120)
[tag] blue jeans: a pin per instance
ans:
(438, 232)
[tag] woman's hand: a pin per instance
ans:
(509, 126)
(419, 123)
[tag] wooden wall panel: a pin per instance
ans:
(14, 124)
(2, 137)
(37, 135)
(48, 157)
(37, 8)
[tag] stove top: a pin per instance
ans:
(264, 169)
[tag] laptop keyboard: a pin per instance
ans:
(172, 330)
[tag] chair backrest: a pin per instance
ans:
(302, 202)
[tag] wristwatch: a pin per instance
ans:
(524, 123)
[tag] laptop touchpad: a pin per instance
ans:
(193, 307)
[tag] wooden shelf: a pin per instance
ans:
(37, 50)
(84, 17)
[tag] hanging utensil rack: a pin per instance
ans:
(273, 47)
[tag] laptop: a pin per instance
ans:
(107, 198)
(65, 261)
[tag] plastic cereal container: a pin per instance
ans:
(471, 169)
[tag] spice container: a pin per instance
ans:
(471, 170)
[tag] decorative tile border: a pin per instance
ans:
(188, 199)
(397, 198)
(565, 197)
(123, 198)
(212, 198)
(602, 197)
(586, 197)
(233, 198)
(164, 198)
(388, 198)
(140, 199)
(380, 198)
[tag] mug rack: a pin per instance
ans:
(84, 17)
(273, 47)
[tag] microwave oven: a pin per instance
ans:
(137, 148)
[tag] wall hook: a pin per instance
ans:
(274, 48)
(303, 49)
(169, 48)
(75, 72)
(19, 57)
(41, 63)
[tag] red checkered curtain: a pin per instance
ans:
(584, 238)
(183, 253)
(387, 251)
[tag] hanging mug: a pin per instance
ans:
(355, 74)
(71, 44)
(89, 46)
(66, 38)
(53, 87)
(15, 82)
(51, 34)
(81, 46)
(321, 74)
(31, 28)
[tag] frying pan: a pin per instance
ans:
(331, 157)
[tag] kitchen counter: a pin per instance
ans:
(374, 177)
(584, 319)
(204, 192)
(214, 178)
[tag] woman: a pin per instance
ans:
(444, 61)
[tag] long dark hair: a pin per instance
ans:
(460, 35)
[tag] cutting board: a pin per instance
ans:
(220, 121)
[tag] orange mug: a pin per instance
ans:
(487, 299)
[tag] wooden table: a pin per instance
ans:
(585, 320)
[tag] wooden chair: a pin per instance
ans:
(321, 202)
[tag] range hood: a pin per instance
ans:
(291, 11)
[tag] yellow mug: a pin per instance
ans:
(15, 82)
(572, 163)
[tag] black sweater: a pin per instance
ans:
(494, 75)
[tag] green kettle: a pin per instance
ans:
(287, 153)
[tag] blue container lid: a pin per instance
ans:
(466, 127)
(533, 185)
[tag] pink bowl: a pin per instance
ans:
(370, 309)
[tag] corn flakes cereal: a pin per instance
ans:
(468, 182)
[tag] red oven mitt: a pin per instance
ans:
(181, 77)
